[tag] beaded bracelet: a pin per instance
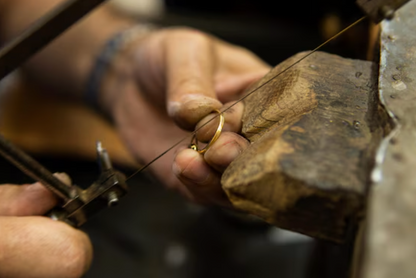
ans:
(104, 59)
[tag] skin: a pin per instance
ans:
(160, 86)
(174, 86)
(33, 246)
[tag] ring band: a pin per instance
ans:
(194, 141)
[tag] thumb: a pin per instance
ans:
(190, 63)
(28, 199)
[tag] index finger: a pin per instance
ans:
(28, 199)
(190, 63)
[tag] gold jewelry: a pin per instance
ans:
(194, 141)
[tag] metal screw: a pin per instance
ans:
(112, 199)
(356, 124)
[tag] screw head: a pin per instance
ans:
(112, 199)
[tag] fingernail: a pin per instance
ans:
(234, 151)
(198, 177)
(174, 106)
(229, 152)
(63, 177)
(200, 99)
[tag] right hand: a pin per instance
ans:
(35, 246)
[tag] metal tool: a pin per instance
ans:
(42, 32)
(77, 205)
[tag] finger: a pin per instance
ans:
(227, 148)
(40, 247)
(190, 63)
(232, 117)
(201, 180)
(28, 199)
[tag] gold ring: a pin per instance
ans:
(194, 141)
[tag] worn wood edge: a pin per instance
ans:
(287, 192)
(356, 199)
(285, 79)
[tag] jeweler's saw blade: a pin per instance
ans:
(42, 32)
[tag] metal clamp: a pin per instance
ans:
(77, 205)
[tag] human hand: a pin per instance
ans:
(35, 246)
(180, 75)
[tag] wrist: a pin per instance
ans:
(113, 70)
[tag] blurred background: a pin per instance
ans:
(274, 30)
(154, 232)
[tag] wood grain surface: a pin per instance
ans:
(313, 132)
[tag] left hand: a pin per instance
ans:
(32, 245)
(180, 75)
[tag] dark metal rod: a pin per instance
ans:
(33, 169)
(43, 32)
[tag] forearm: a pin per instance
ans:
(66, 63)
